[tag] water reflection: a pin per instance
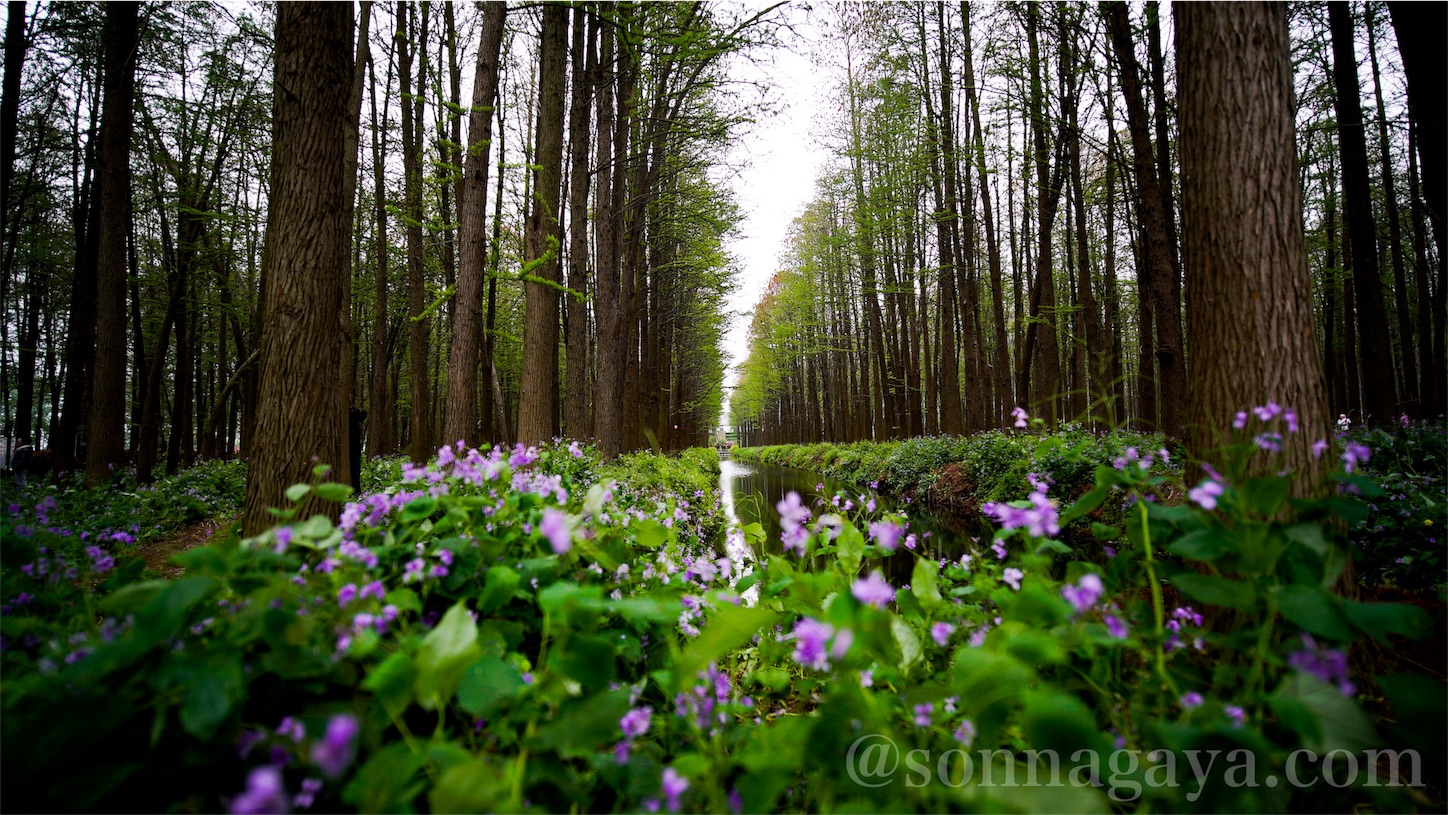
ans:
(751, 491)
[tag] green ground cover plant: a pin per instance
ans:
(507, 630)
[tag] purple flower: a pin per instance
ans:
(334, 753)
(810, 636)
(1191, 699)
(292, 729)
(636, 722)
(965, 734)
(1236, 714)
(1319, 447)
(873, 590)
(305, 798)
(922, 714)
(999, 548)
(1206, 493)
(1329, 665)
(792, 516)
(886, 534)
(674, 787)
(1039, 520)
(736, 803)
(1240, 420)
(264, 793)
(1084, 594)
(346, 594)
(1020, 416)
(1353, 455)
(554, 527)
(1012, 577)
(374, 589)
(940, 632)
(1115, 627)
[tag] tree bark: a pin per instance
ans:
(536, 405)
(461, 416)
(1164, 303)
(106, 422)
(577, 421)
(1249, 290)
(1419, 28)
(1376, 361)
(379, 429)
(301, 412)
(420, 449)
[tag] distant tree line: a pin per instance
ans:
(1005, 221)
(183, 244)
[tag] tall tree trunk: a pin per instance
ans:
(301, 413)
(577, 420)
(1430, 305)
(613, 330)
(1419, 28)
(1089, 317)
(1245, 259)
(1041, 374)
(420, 448)
(1405, 344)
(536, 405)
(1161, 289)
(1376, 360)
(1001, 360)
(461, 416)
(379, 428)
(349, 180)
(106, 422)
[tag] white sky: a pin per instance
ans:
(778, 162)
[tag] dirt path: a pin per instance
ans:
(158, 553)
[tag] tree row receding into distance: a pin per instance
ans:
(226, 227)
(1011, 212)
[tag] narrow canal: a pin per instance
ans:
(750, 493)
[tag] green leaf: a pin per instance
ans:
(1086, 503)
(1378, 620)
(1213, 590)
(418, 509)
(498, 588)
(730, 627)
(583, 724)
(472, 786)
(391, 682)
(203, 560)
(1060, 722)
(1102, 532)
(1324, 719)
(332, 491)
(1205, 545)
(212, 693)
(650, 534)
(445, 653)
(1315, 611)
(488, 685)
(386, 782)
(777, 745)
(924, 584)
(587, 660)
(907, 640)
(296, 492)
(851, 546)
(1264, 495)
